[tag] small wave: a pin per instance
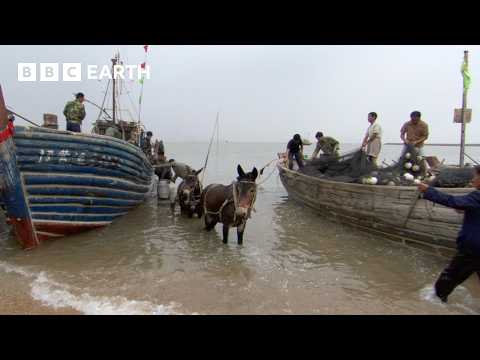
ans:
(428, 294)
(8, 268)
(58, 295)
(467, 304)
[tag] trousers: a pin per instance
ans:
(460, 268)
(73, 126)
(298, 158)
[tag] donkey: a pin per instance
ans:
(188, 195)
(230, 205)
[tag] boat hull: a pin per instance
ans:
(60, 183)
(384, 210)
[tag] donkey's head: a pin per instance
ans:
(246, 190)
(190, 184)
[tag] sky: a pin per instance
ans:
(263, 93)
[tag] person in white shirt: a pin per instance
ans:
(372, 143)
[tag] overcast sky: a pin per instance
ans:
(264, 93)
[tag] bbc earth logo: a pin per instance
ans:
(75, 71)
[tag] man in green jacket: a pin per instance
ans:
(328, 145)
(75, 113)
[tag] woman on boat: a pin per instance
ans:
(467, 259)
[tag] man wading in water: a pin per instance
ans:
(467, 259)
(295, 150)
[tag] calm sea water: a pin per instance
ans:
(293, 261)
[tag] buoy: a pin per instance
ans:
(373, 181)
(408, 165)
(417, 181)
(408, 156)
(419, 158)
(415, 168)
(391, 183)
(408, 176)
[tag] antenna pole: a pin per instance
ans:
(464, 107)
(114, 62)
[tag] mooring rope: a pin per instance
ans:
(268, 176)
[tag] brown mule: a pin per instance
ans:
(230, 205)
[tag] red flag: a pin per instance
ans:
(145, 47)
(143, 66)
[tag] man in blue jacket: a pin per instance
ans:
(467, 259)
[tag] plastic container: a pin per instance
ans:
(163, 189)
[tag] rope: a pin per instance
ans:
(217, 213)
(103, 102)
(9, 110)
(268, 176)
(476, 163)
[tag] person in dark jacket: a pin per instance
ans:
(467, 259)
(295, 150)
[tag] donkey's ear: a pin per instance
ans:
(240, 171)
(198, 171)
(254, 174)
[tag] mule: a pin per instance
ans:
(230, 205)
(188, 195)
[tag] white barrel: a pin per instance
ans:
(163, 189)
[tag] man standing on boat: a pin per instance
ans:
(414, 132)
(372, 143)
(467, 259)
(327, 144)
(295, 150)
(147, 145)
(75, 113)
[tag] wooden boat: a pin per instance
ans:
(389, 211)
(56, 183)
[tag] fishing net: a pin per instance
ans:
(356, 167)
(453, 177)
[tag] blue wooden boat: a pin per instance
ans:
(56, 183)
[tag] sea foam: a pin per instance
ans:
(57, 295)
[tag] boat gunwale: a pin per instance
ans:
(27, 132)
(373, 188)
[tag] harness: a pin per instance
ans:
(196, 198)
(233, 200)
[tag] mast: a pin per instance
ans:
(114, 62)
(464, 107)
